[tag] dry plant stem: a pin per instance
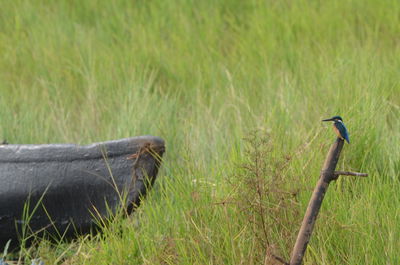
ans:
(327, 175)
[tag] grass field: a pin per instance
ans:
(205, 75)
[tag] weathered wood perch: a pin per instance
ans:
(328, 174)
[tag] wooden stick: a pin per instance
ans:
(348, 173)
(327, 175)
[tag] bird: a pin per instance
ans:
(340, 128)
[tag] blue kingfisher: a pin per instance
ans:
(339, 128)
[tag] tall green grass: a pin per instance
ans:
(203, 75)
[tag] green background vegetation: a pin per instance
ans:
(203, 75)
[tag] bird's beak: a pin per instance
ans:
(328, 119)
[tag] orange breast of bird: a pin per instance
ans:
(337, 132)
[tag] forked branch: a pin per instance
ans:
(328, 174)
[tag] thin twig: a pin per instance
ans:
(348, 173)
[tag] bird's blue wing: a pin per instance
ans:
(343, 131)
